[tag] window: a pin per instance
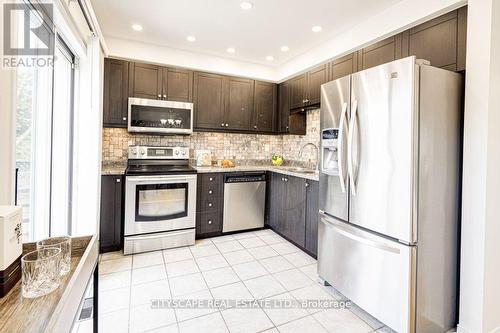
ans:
(44, 145)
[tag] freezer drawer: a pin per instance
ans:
(375, 273)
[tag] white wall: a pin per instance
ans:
(480, 266)
(396, 18)
(127, 49)
(7, 135)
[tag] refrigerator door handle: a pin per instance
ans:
(349, 146)
(342, 124)
(357, 236)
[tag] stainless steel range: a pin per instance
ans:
(160, 199)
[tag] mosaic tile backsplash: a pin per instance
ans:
(115, 143)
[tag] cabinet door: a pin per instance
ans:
(115, 95)
(283, 106)
(239, 104)
(276, 202)
(297, 123)
(208, 101)
(294, 227)
(316, 77)
(386, 50)
(177, 85)
(145, 81)
(265, 106)
(312, 210)
(343, 66)
(436, 41)
(298, 91)
(110, 227)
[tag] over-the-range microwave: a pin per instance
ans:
(159, 116)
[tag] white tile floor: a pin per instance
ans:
(251, 265)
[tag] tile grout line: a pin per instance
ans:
(169, 289)
(210, 290)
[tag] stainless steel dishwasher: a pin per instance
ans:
(244, 201)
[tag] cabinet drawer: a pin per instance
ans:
(210, 204)
(209, 222)
(211, 180)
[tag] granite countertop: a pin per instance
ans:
(286, 170)
(113, 168)
(56, 311)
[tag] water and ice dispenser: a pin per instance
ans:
(330, 151)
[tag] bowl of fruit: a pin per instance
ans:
(277, 160)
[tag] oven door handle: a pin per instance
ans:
(148, 179)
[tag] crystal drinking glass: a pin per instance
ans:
(64, 244)
(40, 272)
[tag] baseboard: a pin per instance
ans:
(461, 329)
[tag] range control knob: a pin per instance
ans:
(176, 152)
(183, 152)
(133, 151)
(143, 151)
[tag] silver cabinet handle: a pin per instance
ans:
(227, 125)
(209, 204)
(210, 179)
(349, 147)
(282, 179)
(307, 184)
(164, 96)
(118, 180)
(124, 118)
(209, 221)
(255, 126)
(159, 96)
(210, 191)
(357, 236)
(222, 124)
(286, 179)
(340, 150)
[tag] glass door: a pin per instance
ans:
(160, 202)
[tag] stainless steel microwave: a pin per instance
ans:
(159, 117)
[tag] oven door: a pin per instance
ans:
(159, 203)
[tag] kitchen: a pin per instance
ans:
(328, 163)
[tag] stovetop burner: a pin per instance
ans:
(144, 160)
(158, 169)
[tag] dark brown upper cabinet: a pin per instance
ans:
(157, 82)
(440, 41)
(283, 106)
(115, 94)
(343, 66)
(240, 104)
(384, 51)
(209, 101)
(305, 89)
(315, 78)
(265, 106)
(145, 81)
(298, 91)
(177, 85)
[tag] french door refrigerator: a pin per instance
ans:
(389, 192)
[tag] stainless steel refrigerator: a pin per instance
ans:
(389, 192)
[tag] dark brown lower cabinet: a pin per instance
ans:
(293, 210)
(209, 204)
(111, 226)
(312, 210)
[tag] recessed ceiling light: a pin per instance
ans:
(230, 50)
(269, 58)
(284, 48)
(137, 27)
(316, 28)
(246, 5)
(191, 39)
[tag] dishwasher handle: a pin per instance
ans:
(245, 178)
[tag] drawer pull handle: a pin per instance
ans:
(209, 204)
(210, 179)
(209, 221)
(210, 191)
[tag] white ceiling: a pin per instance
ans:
(219, 24)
